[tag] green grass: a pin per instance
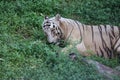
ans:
(24, 53)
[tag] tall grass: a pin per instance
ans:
(24, 53)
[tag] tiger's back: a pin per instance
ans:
(101, 39)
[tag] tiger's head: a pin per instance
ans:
(52, 29)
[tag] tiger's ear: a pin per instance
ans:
(57, 17)
(46, 17)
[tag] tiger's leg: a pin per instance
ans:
(117, 46)
(81, 48)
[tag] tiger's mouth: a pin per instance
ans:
(54, 43)
(59, 43)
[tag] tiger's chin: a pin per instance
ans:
(56, 43)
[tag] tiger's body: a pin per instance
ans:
(102, 40)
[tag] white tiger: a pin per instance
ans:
(102, 40)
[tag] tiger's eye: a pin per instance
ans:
(58, 33)
(53, 26)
